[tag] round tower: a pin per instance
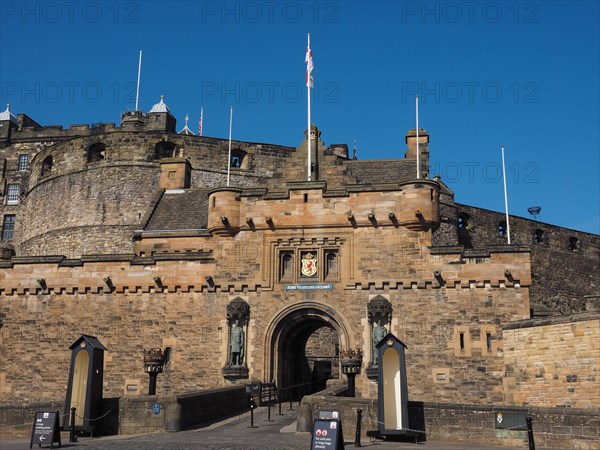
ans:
(224, 211)
(420, 206)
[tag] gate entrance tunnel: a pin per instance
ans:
(305, 349)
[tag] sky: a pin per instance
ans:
(523, 74)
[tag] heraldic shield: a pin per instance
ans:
(309, 265)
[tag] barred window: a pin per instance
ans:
(13, 193)
(8, 227)
(23, 163)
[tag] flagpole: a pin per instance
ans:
(308, 75)
(137, 93)
(201, 127)
(229, 157)
(418, 156)
(505, 197)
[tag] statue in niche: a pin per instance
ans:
(379, 332)
(236, 345)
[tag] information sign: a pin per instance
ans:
(45, 429)
(327, 435)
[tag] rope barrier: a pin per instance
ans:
(93, 420)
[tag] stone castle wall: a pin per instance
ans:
(561, 276)
(553, 361)
(187, 314)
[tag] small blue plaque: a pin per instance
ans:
(156, 408)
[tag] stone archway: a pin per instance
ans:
(303, 343)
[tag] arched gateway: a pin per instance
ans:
(302, 344)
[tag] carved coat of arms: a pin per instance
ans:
(309, 265)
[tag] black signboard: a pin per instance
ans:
(45, 429)
(327, 435)
(253, 389)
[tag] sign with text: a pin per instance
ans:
(308, 287)
(45, 429)
(328, 415)
(327, 435)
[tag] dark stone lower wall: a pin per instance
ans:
(554, 428)
(206, 406)
(135, 415)
(178, 412)
(16, 421)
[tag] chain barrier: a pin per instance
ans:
(93, 420)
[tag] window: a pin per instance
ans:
(8, 227)
(488, 341)
(538, 236)
(285, 266)
(463, 221)
(502, 228)
(46, 166)
(164, 149)
(23, 163)
(237, 158)
(13, 194)
(96, 152)
(331, 265)
(573, 243)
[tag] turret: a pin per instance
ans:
(8, 122)
(160, 117)
(224, 211)
(420, 205)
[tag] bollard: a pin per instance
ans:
(530, 433)
(269, 406)
(72, 437)
(279, 401)
(358, 426)
(252, 408)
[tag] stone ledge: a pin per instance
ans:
(552, 320)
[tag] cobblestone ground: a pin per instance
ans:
(232, 434)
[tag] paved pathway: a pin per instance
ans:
(233, 434)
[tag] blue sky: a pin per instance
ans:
(525, 74)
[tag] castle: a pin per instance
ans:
(140, 236)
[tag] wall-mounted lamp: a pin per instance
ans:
(42, 283)
(393, 218)
(418, 213)
(158, 282)
(210, 280)
(508, 275)
(225, 221)
(438, 276)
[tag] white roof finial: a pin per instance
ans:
(185, 129)
(7, 115)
